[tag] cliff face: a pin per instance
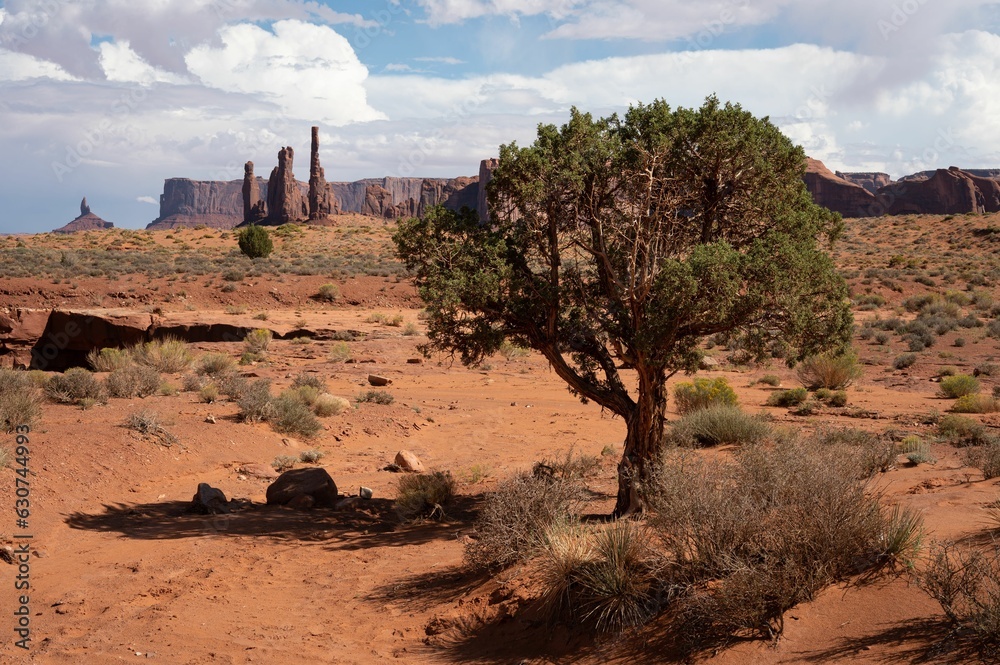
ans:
(836, 193)
(872, 182)
(947, 192)
(186, 202)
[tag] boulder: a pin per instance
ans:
(209, 500)
(376, 380)
(407, 461)
(313, 482)
(257, 471)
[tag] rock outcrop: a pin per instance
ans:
(86, 221)
(285, 202)
(835, 193)
(321, 200)
(949, 191)
(486, 169)
(871, 181)
(188, 203)
(254, 209)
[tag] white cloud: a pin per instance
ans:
(308, 70)
(442, 60)
(147, 199)
(120, 63)
(20, 67)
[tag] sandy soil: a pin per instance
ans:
(120, 573)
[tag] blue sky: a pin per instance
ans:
(107, 98)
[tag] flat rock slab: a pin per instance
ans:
(314, 482)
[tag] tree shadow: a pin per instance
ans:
(360, 525)
(929, 640)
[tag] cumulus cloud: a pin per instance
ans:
(120, 63)
(16, 66)
(147, 199)
(309, 70)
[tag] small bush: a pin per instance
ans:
(209, 393)
(975, 404)
(410, 329)
(905, 360)
(168, 355)
(987, 369)
(965, 582)
(516, 517)
(283, 463)
(329, 292)
(962, 430)
(792, 397)
(133, 381)
(770, 380)
(510, 351)
(424, 495)
(718, 426)
(959, 385)
(340, 351)
(20, 401)
(376, 397)
(917, 450)
(144, 421)
(702, 393)
(838, 398)
(569, 467)
(835, 372)
(255, 242)
(215, 364)
(74, 385)
(255, 402)
(311, 456)
(233, 385)
(329, 405)
(257, 341)
(108, 359)
(290, 415)
(192, 382)
(986, 458)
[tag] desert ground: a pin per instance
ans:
(120, 572)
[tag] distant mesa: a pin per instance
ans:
(87, 221)
(281, 198)
(951, 191)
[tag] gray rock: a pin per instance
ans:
(209, 500)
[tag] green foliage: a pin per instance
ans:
(215, 364)
(792, 397)
(255, 242)
(975, 403)
(959, 385)
(719, 425)
(962, 430)
(167, 355)
(255, 402)
(772, 380)
(257, 341)
(329, 292)
(289, 414)
(133, 381)
(703, 393)
(108, 359)
(627, 241)
(905, 360)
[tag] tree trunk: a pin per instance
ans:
(643, 442)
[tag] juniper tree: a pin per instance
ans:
(615, 246)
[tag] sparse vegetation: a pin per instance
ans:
(833, 371)
(959, 385)
(73, 385)
(424, 495)
(376, 397)
(108, 359)
(255, 242)
(787, 398)
(290, 415)
(311, 456)
(283, 463)
(255, 402)
(703, 393)
(719, 425)
(964, 580)
(329, 293)
(133, 381)
(327, 405)
(20, 401)
(215, 364)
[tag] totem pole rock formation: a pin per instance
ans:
(320, 193)
(254, 209)
(84, 208)
(87, 221)
(284, 198)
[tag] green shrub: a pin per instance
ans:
(792, 397)
(962, 430)
(255, 402)
(516, 517)
(376, 397)
(975, 404)
(959, 385)
(108, 359)
(73, 385)
(209, 393)
(607, 579)
(719, 425)
(20, 401)
(424, 495)
(835, 372)
(133, 381)
(255, 242)
(987, 369)
(340, 351)
(215, 364)
(770, 380)
(290, 415)
(702, 393)
(257, 341)
(329, 405)
(905, 360)
(329, 292)
(168, 355)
